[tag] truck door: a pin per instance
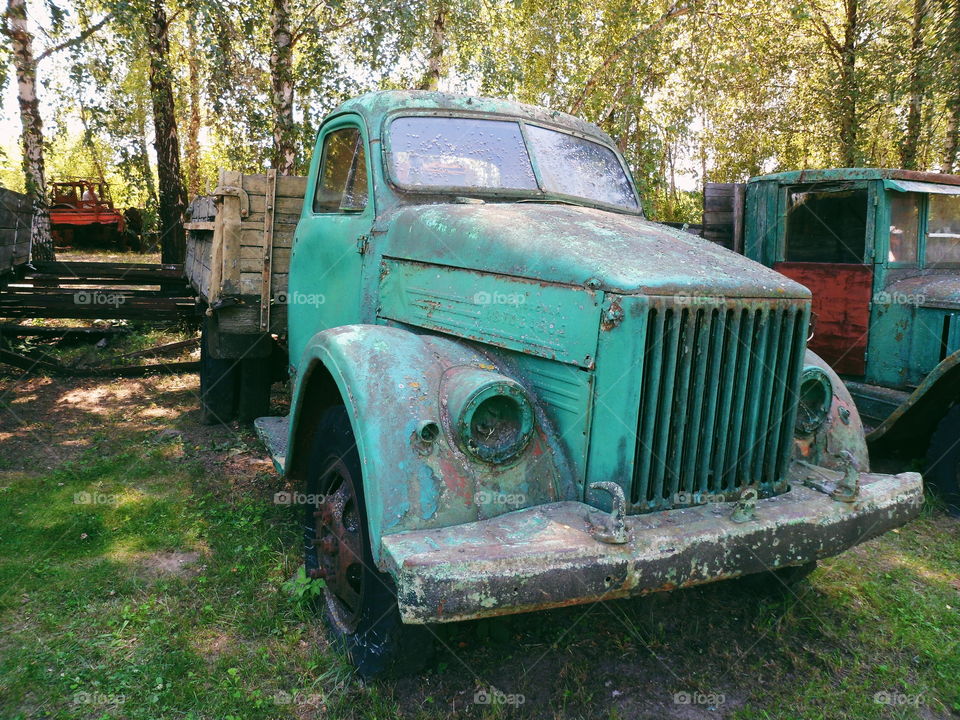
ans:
(326, 262)
(825, 248)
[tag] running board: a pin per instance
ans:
(273, 433)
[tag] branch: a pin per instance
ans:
(672, 12)
(74, 40)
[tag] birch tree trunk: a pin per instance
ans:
(172, 195)
(21, 46)
(281, 80)
(438, 40)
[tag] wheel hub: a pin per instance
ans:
(339, 542)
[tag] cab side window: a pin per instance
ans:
(342, 183)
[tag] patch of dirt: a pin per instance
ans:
(171, 564)
(46, 422)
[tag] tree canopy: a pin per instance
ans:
(692, 90)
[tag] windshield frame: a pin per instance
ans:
(502, 193)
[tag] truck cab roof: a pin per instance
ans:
(375, 106)
(796, 177)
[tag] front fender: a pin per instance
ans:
(391, 381)
(908, 428)
(841, 431)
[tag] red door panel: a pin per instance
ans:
(841, 302)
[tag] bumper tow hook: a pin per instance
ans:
(848, 487)
(746, 508)
(616, 531)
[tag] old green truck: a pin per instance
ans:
(880, 251)
(511, 392)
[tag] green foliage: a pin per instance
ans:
(691, 90)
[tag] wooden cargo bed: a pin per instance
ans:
(238, 249)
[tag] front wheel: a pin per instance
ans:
(943, 460)
(361, 603)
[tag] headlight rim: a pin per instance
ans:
(819, 376)
(503, 454)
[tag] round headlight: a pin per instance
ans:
(492, 414)
(816, 397)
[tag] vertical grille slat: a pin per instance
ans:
(649, 400)
(667, 400)
(717, 400)
(715, 359)
(775, 323)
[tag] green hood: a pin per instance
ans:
(572, 245)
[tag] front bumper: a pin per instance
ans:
(546, 556)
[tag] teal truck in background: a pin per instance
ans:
(512, 392)
(880, 251)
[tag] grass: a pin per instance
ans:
(147, 575)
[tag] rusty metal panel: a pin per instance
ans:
(841, 304)
(548, 556)
(551, 321)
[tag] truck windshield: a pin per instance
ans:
(474, 153)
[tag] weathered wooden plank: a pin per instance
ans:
(284, 206)
(254, 253)
(723, 210)
(229, 220)
(288, 186)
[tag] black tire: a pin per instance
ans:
(256, 377)
(218, 383)
(367, 626)
(943, 461)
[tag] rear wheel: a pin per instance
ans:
(943, 460)
(256, 377)
(218, 383)
(360, 602)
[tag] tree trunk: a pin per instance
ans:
(911, 141)
(281, 80)
(193, 129)
(949, 163)
(173, 196)
(849, 130)
(438, 40)
(143, 159)
(21, 47)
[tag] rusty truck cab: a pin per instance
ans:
(880, 251)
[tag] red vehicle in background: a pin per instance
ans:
(82, 213)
